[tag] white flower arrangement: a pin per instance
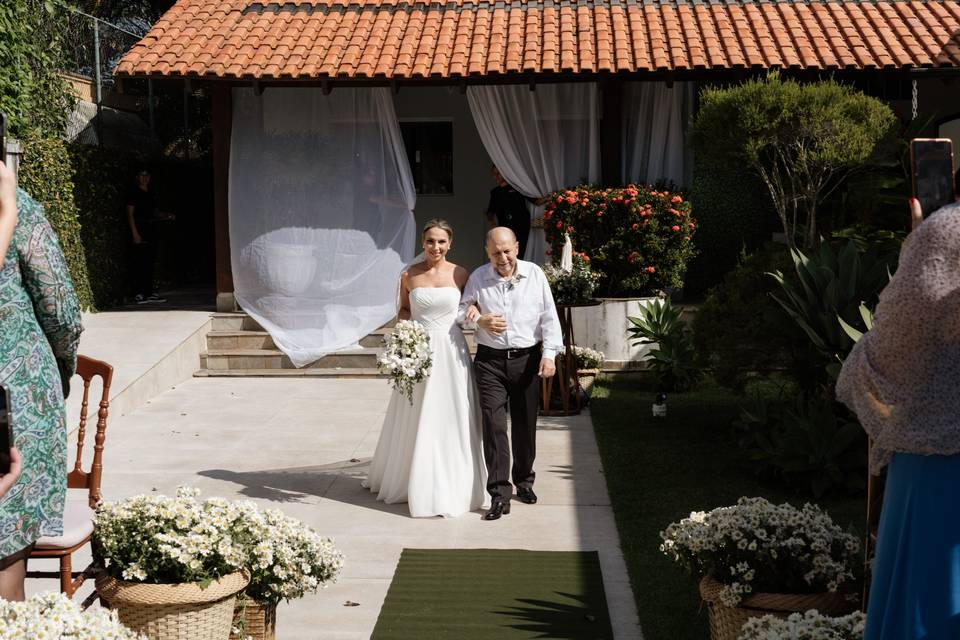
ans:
(406, 356)
(588, 358)
(159, 539)
(53, 616)
(755, 546)
(811, 625)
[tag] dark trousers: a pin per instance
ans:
(144, 255)
(501, 382)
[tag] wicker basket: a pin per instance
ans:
(259, 620)
(174, 611)
(586, 378)
(726, 622)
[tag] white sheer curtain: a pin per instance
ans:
(655, 127)
(541, 140)
(321, 220)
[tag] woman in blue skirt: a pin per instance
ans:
(903, 381)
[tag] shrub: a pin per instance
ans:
(100, 178)
(574, 286)
(832, 283)
(47, 175)
(733, 213)
(673, 359)
(638, 238)
(809, 443)
(740, 330)
(801, 139)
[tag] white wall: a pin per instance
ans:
(472, 181)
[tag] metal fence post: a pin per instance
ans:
(97, 78)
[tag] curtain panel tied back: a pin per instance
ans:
(540, 140)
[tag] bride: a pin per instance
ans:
(430, 453)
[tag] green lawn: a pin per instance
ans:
(658, 471)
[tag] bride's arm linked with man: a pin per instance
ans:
(518, 337)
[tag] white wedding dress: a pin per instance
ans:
(430, 453)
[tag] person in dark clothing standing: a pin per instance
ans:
(508, 208)
(142, 216)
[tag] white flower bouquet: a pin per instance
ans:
(811, 625)
(755, 546)
(406, 356)
(53, 616)
(288, 559)
(588, 358)
(574, 286)
(159, 539)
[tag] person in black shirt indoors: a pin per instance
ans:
(508, 208)
(142, 216)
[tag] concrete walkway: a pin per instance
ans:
(303, 446)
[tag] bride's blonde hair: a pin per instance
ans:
(437, 223)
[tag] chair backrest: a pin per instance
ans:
(88, 369)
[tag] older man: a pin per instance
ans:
(518, 339)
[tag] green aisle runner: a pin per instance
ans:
(495, 594)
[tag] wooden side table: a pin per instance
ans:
(566, 375)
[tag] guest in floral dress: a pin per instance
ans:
(39, 332)
(902, 380)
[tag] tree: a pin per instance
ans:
(802, 139)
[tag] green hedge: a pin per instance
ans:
(47, 175)
(733, 211)
(101, 178)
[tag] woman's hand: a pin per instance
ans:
(916, 214)
(8, 208)
(7, 480)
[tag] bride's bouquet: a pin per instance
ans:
(406, 356)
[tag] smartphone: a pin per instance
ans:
(3, 137)
(6, 430)
(931, 163)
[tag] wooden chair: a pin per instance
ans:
(78, 515)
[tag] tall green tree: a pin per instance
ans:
(801, 139)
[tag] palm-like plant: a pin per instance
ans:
(673, 360)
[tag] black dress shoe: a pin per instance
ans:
(497, 509)
(526, 496)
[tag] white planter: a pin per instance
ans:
(604, 328)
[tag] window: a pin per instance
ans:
(430, 153)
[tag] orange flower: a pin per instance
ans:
(675, 228)
(547, 214)
(559, 224)
(650, 270)
(635, 226)
(676, 199)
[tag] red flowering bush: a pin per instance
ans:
(636, 237)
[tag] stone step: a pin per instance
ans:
(289, 373)
(233, 321)
(233, 359)
(224, 340)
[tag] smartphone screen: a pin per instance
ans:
(932, 164)
(6, 429)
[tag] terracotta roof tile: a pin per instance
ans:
(456, 38)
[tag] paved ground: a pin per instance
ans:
(304, 446)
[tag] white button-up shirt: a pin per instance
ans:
(525, 301)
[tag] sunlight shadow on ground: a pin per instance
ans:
(298, 484)
(556, 618)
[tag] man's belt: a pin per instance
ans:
(509, 354)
